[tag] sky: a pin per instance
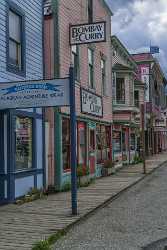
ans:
(139, 23)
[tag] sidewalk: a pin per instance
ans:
(23, 225)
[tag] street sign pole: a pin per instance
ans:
(73, 157)
(143, 137)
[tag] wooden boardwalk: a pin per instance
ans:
(23, 225)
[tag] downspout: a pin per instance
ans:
(57, 116)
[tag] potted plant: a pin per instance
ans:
(82, 174)
(108, 168)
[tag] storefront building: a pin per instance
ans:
(150, 73)
(92, 66)
(125, 128)
(21, 144)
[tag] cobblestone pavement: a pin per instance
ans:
(137, 218)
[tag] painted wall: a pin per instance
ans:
(73, 13)
(20, 183)
(33, 30)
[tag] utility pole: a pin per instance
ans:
(143, 137)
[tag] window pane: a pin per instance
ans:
(132, 141)
(75, 61)
(120, 90)
(102, 64)
(66, 143)
(90, 56)
(23, 143)
(90, 11)
(82, 143)
(74, 49)
(117, 141)
(14, 53)
(14, 26)
(90, 76)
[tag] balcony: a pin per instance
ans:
(118, 108)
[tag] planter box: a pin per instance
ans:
(84, 179)
(107, 171)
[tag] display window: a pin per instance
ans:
(103, 142)
(66, 143)
(132, 142)
(117, 141)
(24, 143)
(81, 149)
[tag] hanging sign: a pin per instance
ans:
(91, 103)
(88, 33)
(45, 93)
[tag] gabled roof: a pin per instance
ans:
(143, 57)
(116, 42)
(107, 7)
(120, 67)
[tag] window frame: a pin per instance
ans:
(9, 66)
(132, 141)
(118, 150)
(136, 100)
(77, 56)
(66, 168)
(122, 100)
(103, 76)
(90, 11)
(22, 116)
(79, 123)
(107, 146)
(91, 66)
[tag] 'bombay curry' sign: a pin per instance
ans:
(88, 33)
(91, 103)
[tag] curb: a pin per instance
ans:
(109, 200)
(114, 197)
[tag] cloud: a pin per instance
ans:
(137, 22)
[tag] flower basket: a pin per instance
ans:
(108, 168)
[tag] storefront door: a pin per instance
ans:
(92, 150)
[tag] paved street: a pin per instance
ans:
(132, 221)
(22, 225)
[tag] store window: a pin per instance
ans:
(123, 141)
(90, 68)
(66, 143)
(120, 90)
(103, 141)
(132, 142)
(15, 40)
(81, 143)
(117, 141)
(75, 61)
(24, 143)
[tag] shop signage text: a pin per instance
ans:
(145, 79)
(35, 94)
(91, 103)
(88, 33)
